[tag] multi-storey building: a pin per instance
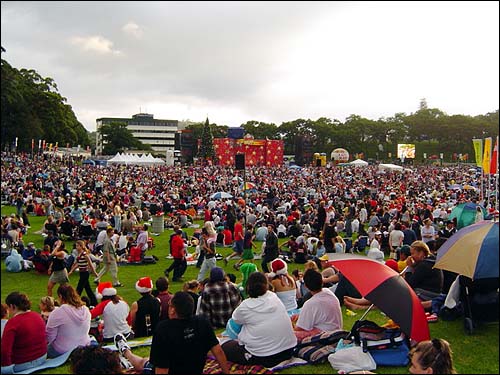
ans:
(160, 134)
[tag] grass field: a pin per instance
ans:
(476, 354)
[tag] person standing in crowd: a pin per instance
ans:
(68, 326)
(57, 269)
(84, 264)
(238, 238)
(248, 246)
(428, 231)
(24, 342)
(207, 246)
(178, 248)
(175, 352)
(271, 249)
(109, 259)
(145, 312)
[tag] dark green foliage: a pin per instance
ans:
(117, 138)
(32, 108)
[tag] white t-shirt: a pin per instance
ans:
(396, 238)
(115, 319)
(427, 231)
(321, 311)
(266, 327)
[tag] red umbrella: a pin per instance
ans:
(387, 290)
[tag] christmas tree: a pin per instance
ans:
(207, 151)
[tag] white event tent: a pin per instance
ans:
(135, 159)
(359, 162)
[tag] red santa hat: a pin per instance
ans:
(105, 289)
(144, 285)
(278, 267)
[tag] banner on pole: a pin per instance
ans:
(478, 150)
(494, 158)
(487, 155)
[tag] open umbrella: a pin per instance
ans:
(387, 289)
(221, 195)
(472, 251)
(248, 186)
(465, 213)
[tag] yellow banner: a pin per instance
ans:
(478, 150)
(487, 155)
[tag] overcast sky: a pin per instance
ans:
(270, 62)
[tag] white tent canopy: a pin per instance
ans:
(359, 162)
(135, 159)
(390, 167)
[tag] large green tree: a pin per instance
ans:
(118, 138)
(32, 108)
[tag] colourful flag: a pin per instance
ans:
(44, 145)
(56, 146)
(32, 144)
(478, 150)
(487, 155)
(494, 158)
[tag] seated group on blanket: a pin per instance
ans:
(29, 338)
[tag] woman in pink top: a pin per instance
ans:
(68, 326)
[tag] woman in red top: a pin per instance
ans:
(24, 342)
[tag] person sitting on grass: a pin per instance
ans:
(321, 312)
(283, 284)
(218, 299)
(24, 341)
(145, 312)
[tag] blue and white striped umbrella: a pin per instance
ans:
(472, 251)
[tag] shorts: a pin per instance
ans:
(238, 247)
(59, 277)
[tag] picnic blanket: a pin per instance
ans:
(212, 367)
(49, 363)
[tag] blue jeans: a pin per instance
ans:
(24, 366)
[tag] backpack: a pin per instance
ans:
(388, 346)
(149, 259)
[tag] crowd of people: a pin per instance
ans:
(400, 215)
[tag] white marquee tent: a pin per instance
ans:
(135, 159)
(390, 167)
(359, 162)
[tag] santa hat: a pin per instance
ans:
(105, 289)
(144, 285)
(278, 267)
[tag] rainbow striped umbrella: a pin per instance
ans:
(472, 251)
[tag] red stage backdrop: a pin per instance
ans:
(258, 152)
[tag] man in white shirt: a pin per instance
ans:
(322, 311)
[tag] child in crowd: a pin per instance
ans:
(47, 305)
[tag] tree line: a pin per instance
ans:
(32, 108)
(430, 128)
